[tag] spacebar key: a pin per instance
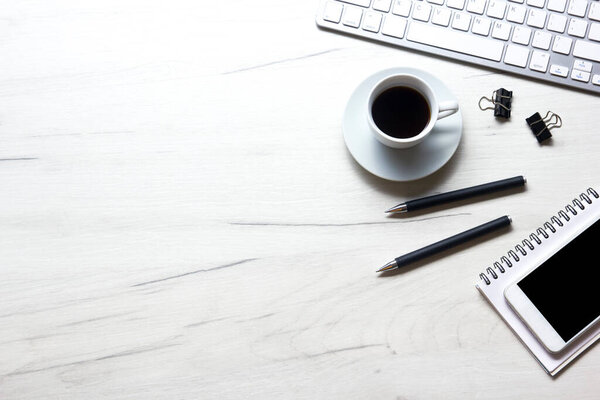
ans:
(450, 40)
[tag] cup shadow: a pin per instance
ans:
(413, 188)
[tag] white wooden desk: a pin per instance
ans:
(181, 218)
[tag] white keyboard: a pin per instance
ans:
(552, 40)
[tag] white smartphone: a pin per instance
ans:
(559, 300)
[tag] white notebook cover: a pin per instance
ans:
(494, 291)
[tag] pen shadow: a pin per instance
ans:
(459, 203)
(423, 187)
(427, 260)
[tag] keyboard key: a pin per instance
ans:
(536, 3)
(516, 55)
(456, 4)
(461, 21)
(577, 27)
(541, 40)
(421, 11)
(581, 76)
(481, 26)
(557, 23)
(559, 70)
(496, 9)
(539, 61)
(372, 21)
(577, 7)
(521, 35)
(382, 5)
(352, 16)
(333, 11)
(476, 6)
(557, 5)
(594, 33)
(530, 37)
(394, 26)
(562, 45)
(516, 14)
(536, 18)
(501, 30)
(441, 16)
(402, 7)
(362, 3)
(587, 50)
(594, 13)
(582, 65)
(455, 41)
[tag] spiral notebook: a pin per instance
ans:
(582, 211)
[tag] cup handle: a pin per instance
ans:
(447, 108)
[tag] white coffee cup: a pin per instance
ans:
(437, 110)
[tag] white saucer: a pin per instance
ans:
(400, 165)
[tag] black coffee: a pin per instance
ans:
(401, 112)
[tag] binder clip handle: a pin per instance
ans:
(500, 102)
(541, 127)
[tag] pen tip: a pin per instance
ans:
(400, 208)
(388, 266)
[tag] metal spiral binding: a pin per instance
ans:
(535, 238)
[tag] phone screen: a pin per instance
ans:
(566, 288)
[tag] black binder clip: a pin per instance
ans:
(541, 126)
(501, 100)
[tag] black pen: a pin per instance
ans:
(442, 198)
(448, 243)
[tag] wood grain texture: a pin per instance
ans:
(181, 219)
